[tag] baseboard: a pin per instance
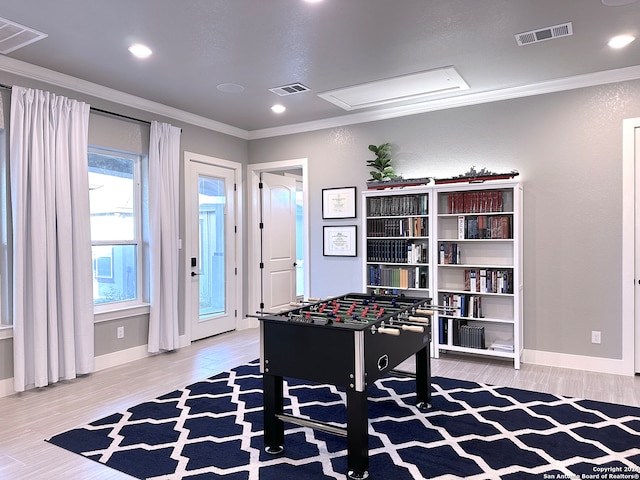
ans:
(120, 357)
(6, 387)
(578, 362)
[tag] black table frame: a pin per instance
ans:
(353, 361)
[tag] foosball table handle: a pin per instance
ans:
(389, 331)
(413, 328)
(419, 319)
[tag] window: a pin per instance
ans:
(116, 226)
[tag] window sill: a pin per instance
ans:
(122, 312)
(6, 331)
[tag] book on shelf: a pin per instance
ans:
(449, 253)
(398, 277)
(397, 227)
(484, 227)
(488, 280)
(461, 227)
(397, 251)
(461, 305)
(471, 336)
(502, 347)
(475, 201)
(398, 205)
(443, 329)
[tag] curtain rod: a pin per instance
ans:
(99, 110)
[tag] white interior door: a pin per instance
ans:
(211, 255)
(279, 241)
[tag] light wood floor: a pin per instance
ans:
(27, 419)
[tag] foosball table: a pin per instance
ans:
(348, 341)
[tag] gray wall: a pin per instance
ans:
(568, 149)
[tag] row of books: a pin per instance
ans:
(450, 254)
(397, 251)
(398, 277)
(472, 336)
(488, 280)
(398, 227)
(462, 305)
(475, 202)
(462, 335)
(484, 227)
(398, 205)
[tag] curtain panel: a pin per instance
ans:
(164, 176)
(52, 275)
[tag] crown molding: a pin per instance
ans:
(551, 86)
(23, 69)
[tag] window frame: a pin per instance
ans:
(137, 241)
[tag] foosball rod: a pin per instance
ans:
(434, 308)
(382, 303)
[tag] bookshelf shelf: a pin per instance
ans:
(434, 241)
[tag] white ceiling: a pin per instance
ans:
(262, 44)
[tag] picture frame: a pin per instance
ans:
(339, 202)
(340, 241)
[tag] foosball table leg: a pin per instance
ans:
(273, 406)
(357, 435)
(423, 379)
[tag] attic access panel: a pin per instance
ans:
(397, 89)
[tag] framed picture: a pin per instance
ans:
(339, 202)
(340, 241)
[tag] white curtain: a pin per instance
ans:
(52, 277)
(164, 174)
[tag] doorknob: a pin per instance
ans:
(295, 264)
(194, 274)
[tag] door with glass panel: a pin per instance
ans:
(211, 261)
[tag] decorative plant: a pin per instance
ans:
(382, 163)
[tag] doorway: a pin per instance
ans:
(258, 291)
(211, 266)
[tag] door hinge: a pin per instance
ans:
(235, 229)
(235, 187)
(260, 185)
(236, 270)
(261, 226)
(261, 265)
(261, 306)
(236, 314)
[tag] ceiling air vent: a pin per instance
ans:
(14, 36)
(548, 33)
(289, 89)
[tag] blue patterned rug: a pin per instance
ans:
(213, 430)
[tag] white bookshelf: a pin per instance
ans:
(397, 241)
(495, 252)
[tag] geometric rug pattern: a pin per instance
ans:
(212, 429)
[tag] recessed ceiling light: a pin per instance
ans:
(278, 108)
(313, 1)
(230, 88)
(621, 41)
(140, 51)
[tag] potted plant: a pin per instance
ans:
(382, 163)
